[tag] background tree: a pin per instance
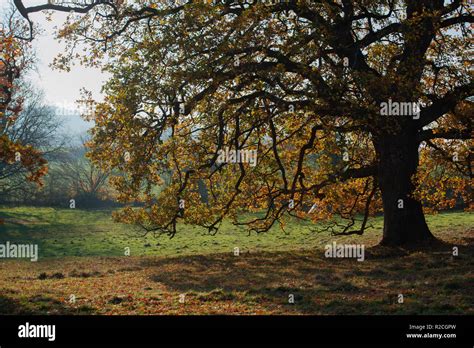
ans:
(87, 183)
(16, 57)
(302, 82)
(70, 176)
(38, 126)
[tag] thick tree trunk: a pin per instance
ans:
(404, 221)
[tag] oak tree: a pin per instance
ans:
(354, 107)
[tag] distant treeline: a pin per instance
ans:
(70, 174)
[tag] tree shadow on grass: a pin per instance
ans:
(208, 272)
(269, 279)
(324, 286)
(38, 305)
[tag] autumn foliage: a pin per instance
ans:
(14, 61)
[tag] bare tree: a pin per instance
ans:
(86, 181)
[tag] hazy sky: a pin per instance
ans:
(61, 88)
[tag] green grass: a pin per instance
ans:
(74, 232)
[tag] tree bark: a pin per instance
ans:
(404, 221)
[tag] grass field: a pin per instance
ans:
(82, 254)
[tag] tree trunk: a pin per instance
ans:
(404, 221)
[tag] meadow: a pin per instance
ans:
(83, 270)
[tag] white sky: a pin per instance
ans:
(59, 85)
(61, 89)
